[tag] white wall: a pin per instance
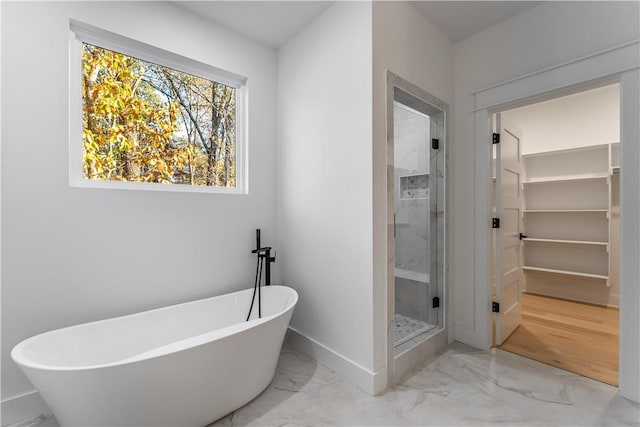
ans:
(71, 255)
(408, 45)
(324, 183)
(332, 177)
(550, 34)
(580, 120)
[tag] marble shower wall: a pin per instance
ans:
(413, 299)
(411, 189)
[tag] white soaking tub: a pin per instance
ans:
(183, 365)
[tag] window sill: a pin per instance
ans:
(153, 186)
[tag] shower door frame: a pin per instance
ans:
(436, 340)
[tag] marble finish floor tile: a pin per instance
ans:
(462, 387)
(44, 420)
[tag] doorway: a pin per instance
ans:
(416, 286)
(556, 251)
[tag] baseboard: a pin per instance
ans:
(23, 407)
(371, 382)
(613, 302)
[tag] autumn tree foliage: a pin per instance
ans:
(148, 123)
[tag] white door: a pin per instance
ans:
(508, 250)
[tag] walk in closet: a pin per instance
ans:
(570, 209)
(569, 224)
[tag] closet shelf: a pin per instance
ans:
(565, 272)
(554, 153)
(572, 242)
(565, 210)
(566, 178)
(567, 205)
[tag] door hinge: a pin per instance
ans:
(496, 138)
(495, 307)
(436, 302)
(435, 143)
(495, 223)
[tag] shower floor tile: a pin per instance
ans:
(407, 328)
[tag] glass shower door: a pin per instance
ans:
(417, 297)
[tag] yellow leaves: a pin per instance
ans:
(87, 136)
(161, 166)
(124, 144)
(136, 129)
(172, 111)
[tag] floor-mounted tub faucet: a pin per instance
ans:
(264, 253)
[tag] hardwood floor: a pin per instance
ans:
(577, 337)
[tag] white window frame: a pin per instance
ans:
(84, 33)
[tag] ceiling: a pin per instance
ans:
(275, 22)
(461, 19)
(269, 22)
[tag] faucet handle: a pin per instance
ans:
(273, 258)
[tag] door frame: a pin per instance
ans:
(619, 64)
(436, 341)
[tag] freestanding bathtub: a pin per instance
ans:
(183, 365)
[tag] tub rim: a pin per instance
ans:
(21, 360)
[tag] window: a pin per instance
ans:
(150, 119)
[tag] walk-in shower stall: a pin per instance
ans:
(416, 183)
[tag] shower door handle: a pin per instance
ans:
(394, 225)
